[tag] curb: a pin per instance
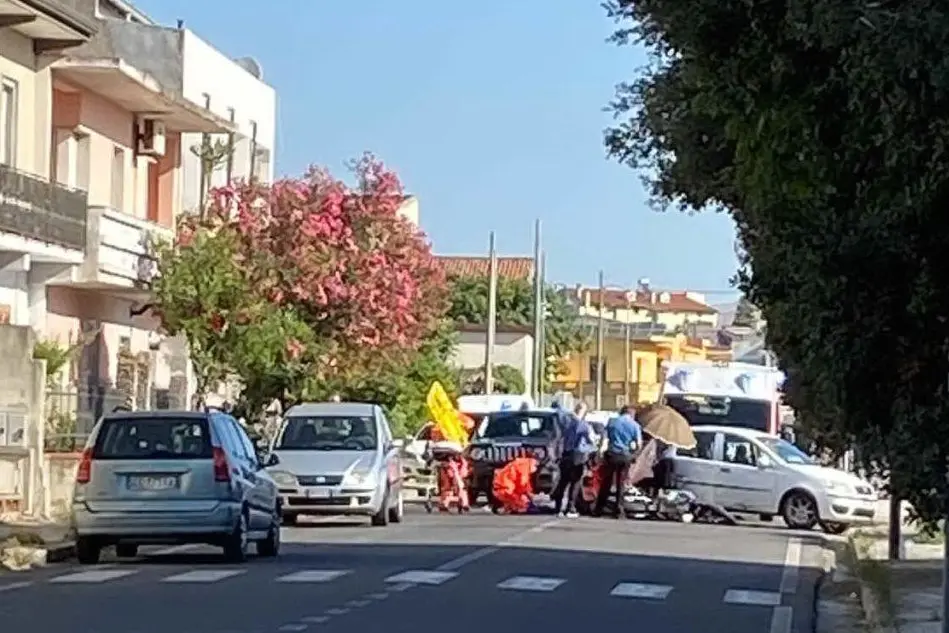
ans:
(872, 610)
(828, 567)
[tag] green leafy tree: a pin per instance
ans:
(746, 314)
(820, 128)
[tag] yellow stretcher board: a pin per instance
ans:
(445, 415)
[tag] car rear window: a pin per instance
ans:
(153, 438)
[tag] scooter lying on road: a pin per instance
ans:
(667, 505)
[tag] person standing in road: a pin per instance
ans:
(624, 436)
(577, 447)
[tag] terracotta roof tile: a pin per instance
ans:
(613, 298)
(508, 267)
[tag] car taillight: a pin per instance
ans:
(222, 472)
(84, 471)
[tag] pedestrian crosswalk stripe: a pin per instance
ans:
(641, 590)
(93, 576)
(204, 575)
(751, 597)
(422, 577)
(531, 583)
(314, 575)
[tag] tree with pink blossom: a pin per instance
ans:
(352, 284)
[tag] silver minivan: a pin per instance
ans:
(338, 458)
(173, 477)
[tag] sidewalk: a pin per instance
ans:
(26, 542)
(869, 592)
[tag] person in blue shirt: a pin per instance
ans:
(576, 450)
(624, 436)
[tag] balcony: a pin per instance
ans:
(53, 25)
(119, 256)
(40, 217)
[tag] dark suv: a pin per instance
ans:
(503, 437)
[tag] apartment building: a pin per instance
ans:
(103, 116)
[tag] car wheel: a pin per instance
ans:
(290, 519)
(235, 547)
(88, 550)
(832, 527)
(381, 518)
(397, 513)
(126, 550)
(270, 546)
(799, 511)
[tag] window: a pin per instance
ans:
(328, 433)
(594, 375)
(518, 424)
(8, 121)
(118, 178)
(253, 150)
(704, 447)
(708, 410)
(153, 438)
(740, 451)
(229, 168)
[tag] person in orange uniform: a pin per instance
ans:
(513, 487)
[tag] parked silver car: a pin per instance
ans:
(170, 477)
(338, 458)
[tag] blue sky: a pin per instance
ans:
(492, 114)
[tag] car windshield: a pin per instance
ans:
(518, 424)
(328, 433)
(702, 410)
(153, 438)
(786, 451)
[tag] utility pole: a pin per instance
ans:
(492, 317)
(600, 323)
(627, 352)
(541, 344)
(537, 373)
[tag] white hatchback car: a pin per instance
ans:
(747, 471)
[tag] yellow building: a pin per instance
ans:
(635, 381)
(669, 310)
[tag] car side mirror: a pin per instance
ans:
(764, 461)
(272, 460)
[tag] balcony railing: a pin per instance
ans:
(38, 209)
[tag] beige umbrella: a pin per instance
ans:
(667, 425)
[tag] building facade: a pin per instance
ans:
(97, 122)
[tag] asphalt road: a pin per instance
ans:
(469, 574)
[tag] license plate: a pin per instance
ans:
(153, 483)
(317, 493)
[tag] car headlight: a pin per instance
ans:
(283, 478)
(359, 478)
(476, 454)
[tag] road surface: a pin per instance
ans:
(471, 574)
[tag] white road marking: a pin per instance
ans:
(792, 565)
(315, 619)
(14, 585)
(381, 595)
(751, 597)
(292, 627)
(465, 559)
(781, 620)
(314, 575)
(204, 575)
(422, 577)
(356, 604)
(531, 583)
(641, 590)
(94, 576)
(337, 611)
